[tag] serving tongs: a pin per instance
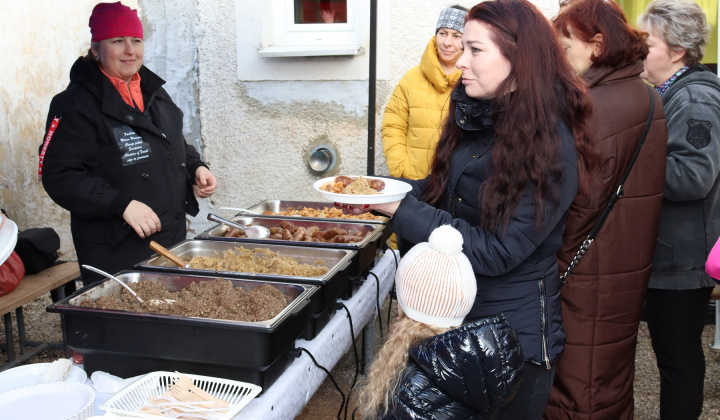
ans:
(252, 232)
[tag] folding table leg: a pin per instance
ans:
(9, 337)
(21, 328)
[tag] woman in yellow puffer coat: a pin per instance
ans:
(414, 115)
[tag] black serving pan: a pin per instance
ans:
(332, 284)
(106, 335)
(276, 206)
(374, 237)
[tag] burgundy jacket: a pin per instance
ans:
(602, 301)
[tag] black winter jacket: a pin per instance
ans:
(516, 269)
(466, 373)
(104, 153)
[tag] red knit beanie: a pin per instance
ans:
(111, 20)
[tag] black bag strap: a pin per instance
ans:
(613, 198)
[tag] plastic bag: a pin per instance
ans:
(11, 272)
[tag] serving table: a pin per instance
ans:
(289, 394)
(30, 288)
(287, 397)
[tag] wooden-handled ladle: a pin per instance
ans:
(169, 255)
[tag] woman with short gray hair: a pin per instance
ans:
(679, 291)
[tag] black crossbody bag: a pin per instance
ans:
(613, 198)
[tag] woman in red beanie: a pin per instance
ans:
(114, 153)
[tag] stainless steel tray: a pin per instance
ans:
(333, 283)
(276, 206)
(336, 260)
(297, 294)
(374, 238)
(370, 231)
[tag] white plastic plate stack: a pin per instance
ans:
(127, 401)
(48, 401)
(29, 374)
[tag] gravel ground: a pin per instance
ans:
(45, 326)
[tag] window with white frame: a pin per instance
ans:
(307, 28)
(272, 46)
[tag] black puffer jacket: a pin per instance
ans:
(466, 373)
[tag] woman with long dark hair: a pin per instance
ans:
(602, 301)
(508, 165)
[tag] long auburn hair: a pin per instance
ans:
(621, 45)
(387, 369)
(526, 118)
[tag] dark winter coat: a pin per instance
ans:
(516, 269)
(466, 373)
(603, 297)
(104, 153)
(690, 220)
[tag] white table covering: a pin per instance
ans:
(286, 398)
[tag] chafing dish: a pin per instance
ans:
(276, 206)
(332, 283)
(130, 343)
(374, 237)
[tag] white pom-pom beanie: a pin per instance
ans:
(435, 282)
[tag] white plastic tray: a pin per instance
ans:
(394, 191)
(127, 401)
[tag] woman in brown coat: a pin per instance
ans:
(602, 301)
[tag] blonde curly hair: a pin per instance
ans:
(386, 372)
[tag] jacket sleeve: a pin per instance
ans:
(712, 265)
(68, 158)
(395, 130)
(491, 255)
(693, 152)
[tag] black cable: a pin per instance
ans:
(392, 290)
(296, 353)
(357, 358)
(377, 301)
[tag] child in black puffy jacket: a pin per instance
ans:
(432, 366)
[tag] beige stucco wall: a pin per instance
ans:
(254, 135)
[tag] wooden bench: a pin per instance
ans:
(31, 287)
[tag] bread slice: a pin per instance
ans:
(56, 371)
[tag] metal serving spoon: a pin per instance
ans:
(239, 209)
(252, 232)
(99, 271)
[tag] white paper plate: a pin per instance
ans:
(28, 375)
(8, 237)
(394, 191)
(49, 401)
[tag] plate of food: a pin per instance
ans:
(361, 189)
